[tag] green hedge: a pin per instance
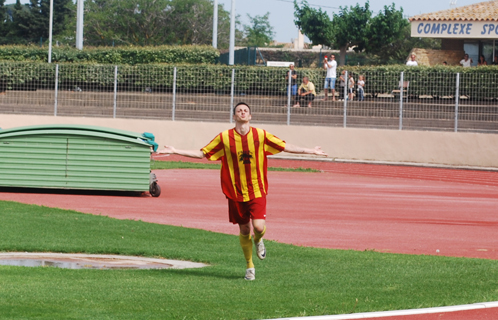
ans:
(118, 55)
(438, 81)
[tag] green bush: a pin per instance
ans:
(110, 55)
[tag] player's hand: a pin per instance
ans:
(167, 150)
(319, 151)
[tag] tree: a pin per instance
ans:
(154, 22)
(350, 29)
(385, 32)
(353, 27)
(31, 21)
(400, 49)
(3, 18)
(124, 21)
(315, 24)
(259, 33)
(346, 29)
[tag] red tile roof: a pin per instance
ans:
(483, 11)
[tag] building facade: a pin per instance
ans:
(471, 30)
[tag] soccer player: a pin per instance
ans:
(243, 151)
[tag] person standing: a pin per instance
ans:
(243, 152)
(331, 67)
(293, 74)
(466, 62)
(361, 86)
(482, 61)
(412, 62)
(306, 93)
(342, 84)
(350, 86)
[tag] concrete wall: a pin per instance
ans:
(432, 57)
(425, 147)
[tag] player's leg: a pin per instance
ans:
(238, 214)
(258, 217)
(246, 243)
(259, 227)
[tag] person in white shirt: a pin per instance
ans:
(331, 67)
(361, 85)
(412, 61)
(466, 62)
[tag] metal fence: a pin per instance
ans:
(447, 102)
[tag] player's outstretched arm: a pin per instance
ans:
(186, 153)
(295, 149)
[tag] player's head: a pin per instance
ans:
(241, 104)
(242, 113)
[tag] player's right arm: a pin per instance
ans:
(186, 153)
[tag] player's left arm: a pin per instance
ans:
(295, 149)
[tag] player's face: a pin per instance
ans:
(242, 114)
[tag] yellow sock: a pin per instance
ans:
(258, 236)
(246, 244)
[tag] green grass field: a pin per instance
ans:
(155, 165)
(292, 281)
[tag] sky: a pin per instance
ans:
(282, 11)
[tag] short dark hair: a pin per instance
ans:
(239, 104)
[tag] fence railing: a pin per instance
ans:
(402, 101)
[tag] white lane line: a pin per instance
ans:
(379, 314)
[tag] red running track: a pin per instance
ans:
(349, 206)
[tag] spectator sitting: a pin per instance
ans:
(293, 80)
(466, 62)
(306, 93)
(495, 61)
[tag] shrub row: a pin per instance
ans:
(110, 55)
(437, 81)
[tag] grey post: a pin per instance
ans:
(289, 92)
(231, 46)
(56, 88)
(79, 24)
(231, 95)
(115, 91)
(457, 97)
(50, 28)
(401, 102)
(345, 113)
(174, 95)
(215, 24)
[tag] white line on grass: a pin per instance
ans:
(379, 314)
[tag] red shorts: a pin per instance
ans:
(243, 212)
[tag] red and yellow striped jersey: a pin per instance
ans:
(243, 161)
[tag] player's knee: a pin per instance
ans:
(245, 229)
